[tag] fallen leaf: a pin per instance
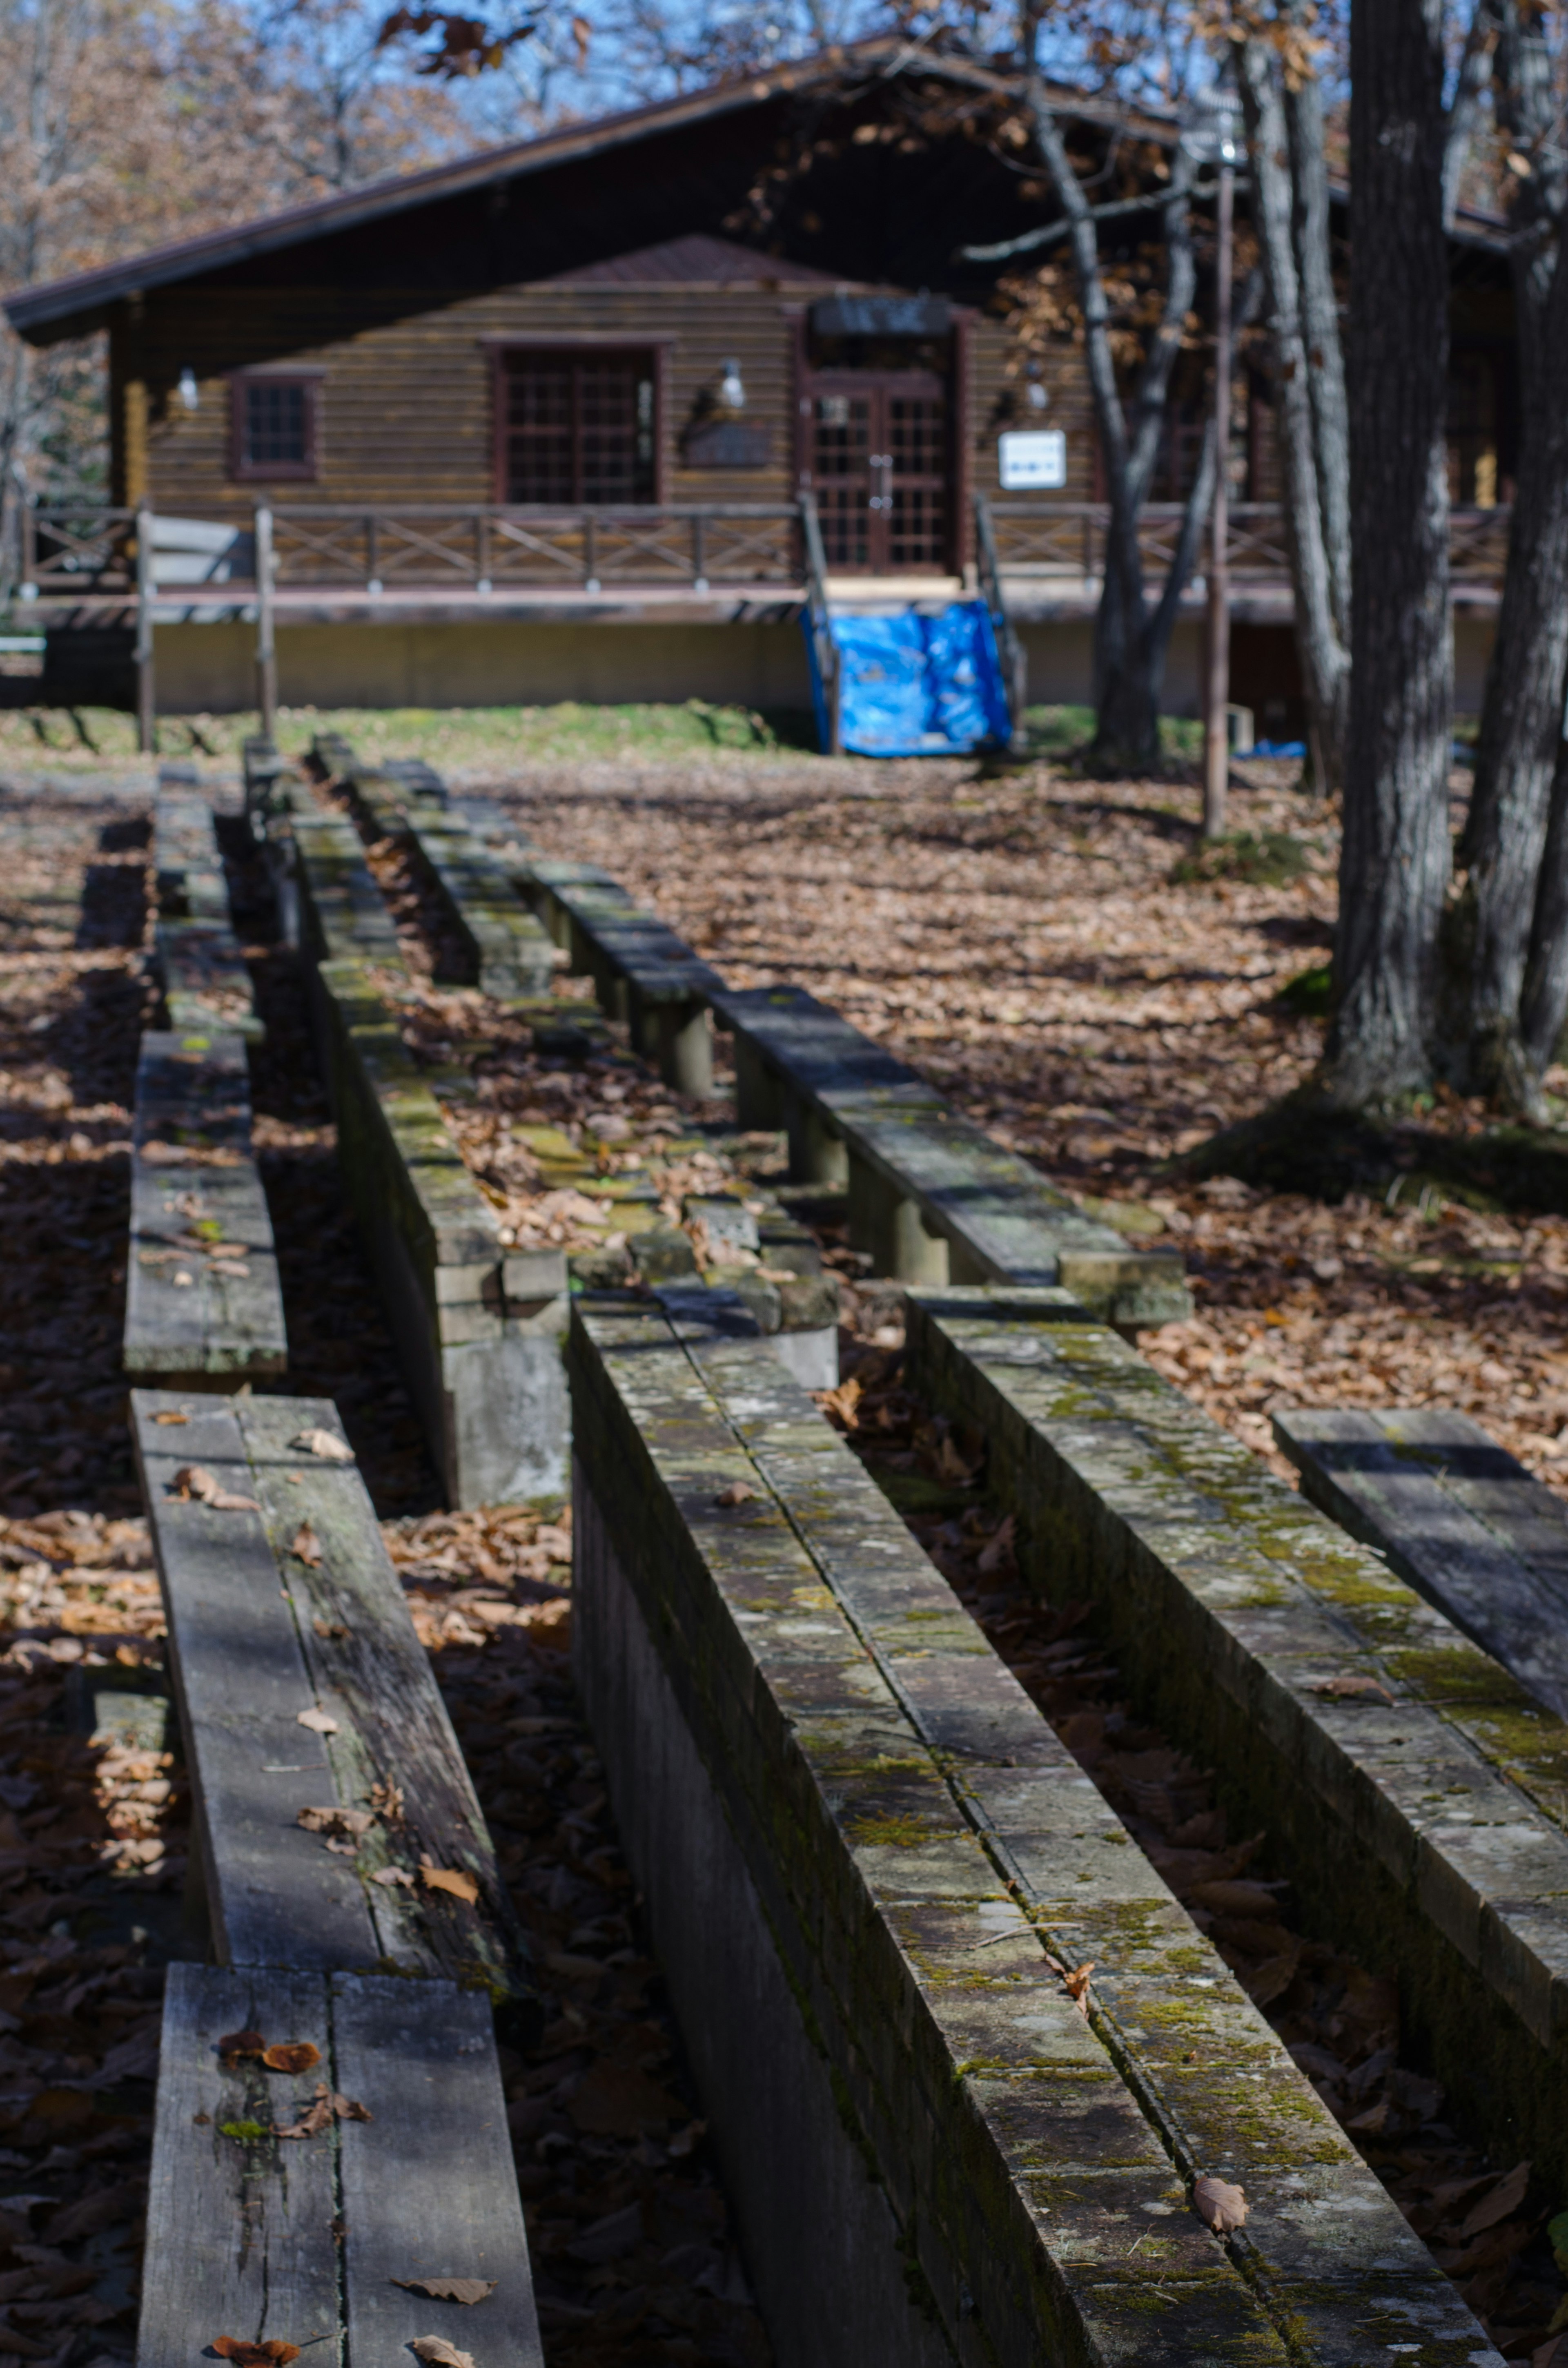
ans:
(1501, 2204)
(843, 1401)
(386, 1798)
(312, 2121)
(388, 1875)
(325, 1443)
(687, 2141)
(1356, 1689)
(1001, 1546)
(1219, 2205)
(171, 1417)
(1076, 1985)
(240, 2043)
(349, 2109)
(347, 1824)
(330, 1630)
(450, 2288)
(320, 1722)
(450, 1878)
(737, 1493)
(305, 1546)
(440, 2354)
(290, 2056)
(194, 1480)
(271, 2354)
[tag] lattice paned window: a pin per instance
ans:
(578, 428)
(275, 425)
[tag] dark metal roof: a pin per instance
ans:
(57, 308)
(79, 304)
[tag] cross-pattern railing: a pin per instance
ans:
(87, 552)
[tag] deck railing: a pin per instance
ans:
(87, 552)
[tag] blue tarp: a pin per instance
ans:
(914, 685)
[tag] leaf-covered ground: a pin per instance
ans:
(1024, 943)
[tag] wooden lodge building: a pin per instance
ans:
(536, 424)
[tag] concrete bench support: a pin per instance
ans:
(1416, 1793)
(1456, 1516)
(204, 1306)
(862, 1847)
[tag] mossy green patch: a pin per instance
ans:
(248, 2133)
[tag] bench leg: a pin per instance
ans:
(890, 1227)
(816, 1155)
(685, 1048)
(759, 1107)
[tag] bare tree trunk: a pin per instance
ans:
(1546, 973)
(1395, 859)
(1129, 641)
(1506, 897)
(1290, 215)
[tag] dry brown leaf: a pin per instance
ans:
(996, 1553)
(305, 1546)
(312, 2121)
(1355, 1689)
(454, 1879)
(1501, 2204)
(290, 2056)
(240, 2043)
(737, 1493)
(271, 2354)
(388, 1875)
(194, 1480)
(438, 2353)
(325, 1443)
(469, 2289)
(330, 1630)
(171, 1417)
(320, 1722)
(349, 2109)
(1219, 2205)
(386, 1798)
(344, 1825)
(1076, 1982)
(843, 1401)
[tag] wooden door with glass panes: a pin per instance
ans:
(880, 470)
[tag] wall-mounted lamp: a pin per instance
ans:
(1037, 396)
(189, 393)
(732, 388)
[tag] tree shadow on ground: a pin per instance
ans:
(1299, 1144)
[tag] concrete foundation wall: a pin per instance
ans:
(211, 669)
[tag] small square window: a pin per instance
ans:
(274, 425)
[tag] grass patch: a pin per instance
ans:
(1067, 730)
(1266, 858)
(1309, 995)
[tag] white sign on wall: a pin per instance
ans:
(1032, 460)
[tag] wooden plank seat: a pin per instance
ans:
(205, 982)
(856, 1833)
(931, 1197)
(1417, 1792)
(203, 1304)
(260, 1632)
(280, 1602)
(478, 1327)
(304, 2240)
(1456, 1516)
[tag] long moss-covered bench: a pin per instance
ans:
(870, 1867)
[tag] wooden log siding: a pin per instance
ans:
(1416, 1793)
(858, 1836)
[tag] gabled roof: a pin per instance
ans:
(77, 303)
(696, 261)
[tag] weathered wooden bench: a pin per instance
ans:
(1418, 1794)
(478, 1329)
(509, 950)
(644, 974)
(203, 1304)
(862, 1847)
(1456, 1516)
(374, 1939)
(205, 982)
(931, 1197)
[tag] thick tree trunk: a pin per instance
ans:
(1521, 728)
(1129, 641)
(1290, 215)
(1396, 858)
(1546, 973)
